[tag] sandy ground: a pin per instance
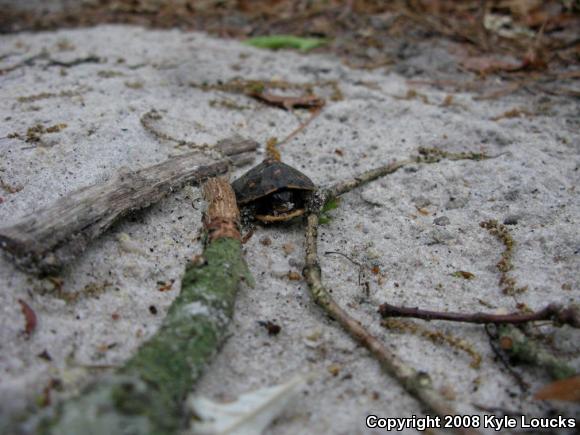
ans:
(417, 226)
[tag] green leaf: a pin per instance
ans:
(275, 42)
(324, 219)
(330, 205)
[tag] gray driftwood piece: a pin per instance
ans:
(44, 241)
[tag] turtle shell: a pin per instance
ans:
(268, 177)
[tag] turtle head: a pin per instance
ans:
(283, 201)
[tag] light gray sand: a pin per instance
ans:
(534, 181)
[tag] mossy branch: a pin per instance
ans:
(524, 349)
(146, 395)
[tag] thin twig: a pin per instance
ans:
(426, 156)
(366, 177)
(356, 263)
(553, 312)
(302, 126)
(415, 382)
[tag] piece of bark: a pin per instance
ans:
(147, 394)
(46, 240)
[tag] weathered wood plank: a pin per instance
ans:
(46, 240)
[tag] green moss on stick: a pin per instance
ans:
(147, 393)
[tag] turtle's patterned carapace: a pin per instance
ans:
(275, 189)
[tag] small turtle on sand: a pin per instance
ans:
(273, 191)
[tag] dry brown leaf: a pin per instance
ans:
(289, 103)
(513, 113)
(565, 389)
(490, 64)
(29, 317)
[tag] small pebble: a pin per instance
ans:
(511, 220)
(421, 202)
(312, 338)
(296, 263)
(512, 195)
(442, 221)
(266, 241)
(455, 203)
(272, 327)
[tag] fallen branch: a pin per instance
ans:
(569, 315)
(46, 240)
(147, 394)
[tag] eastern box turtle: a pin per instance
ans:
(275, 191)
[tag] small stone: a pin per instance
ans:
(421, 202)
(455, 203)
(296, 263)
(511, 220)
(44, 355)
(266, 241)
(439, 235)
(313, 338)
(272, 327)
(442, 221)
(512, 195)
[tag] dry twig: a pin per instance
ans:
(569, 315)
(415, 382)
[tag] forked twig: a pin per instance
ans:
(417, 383)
